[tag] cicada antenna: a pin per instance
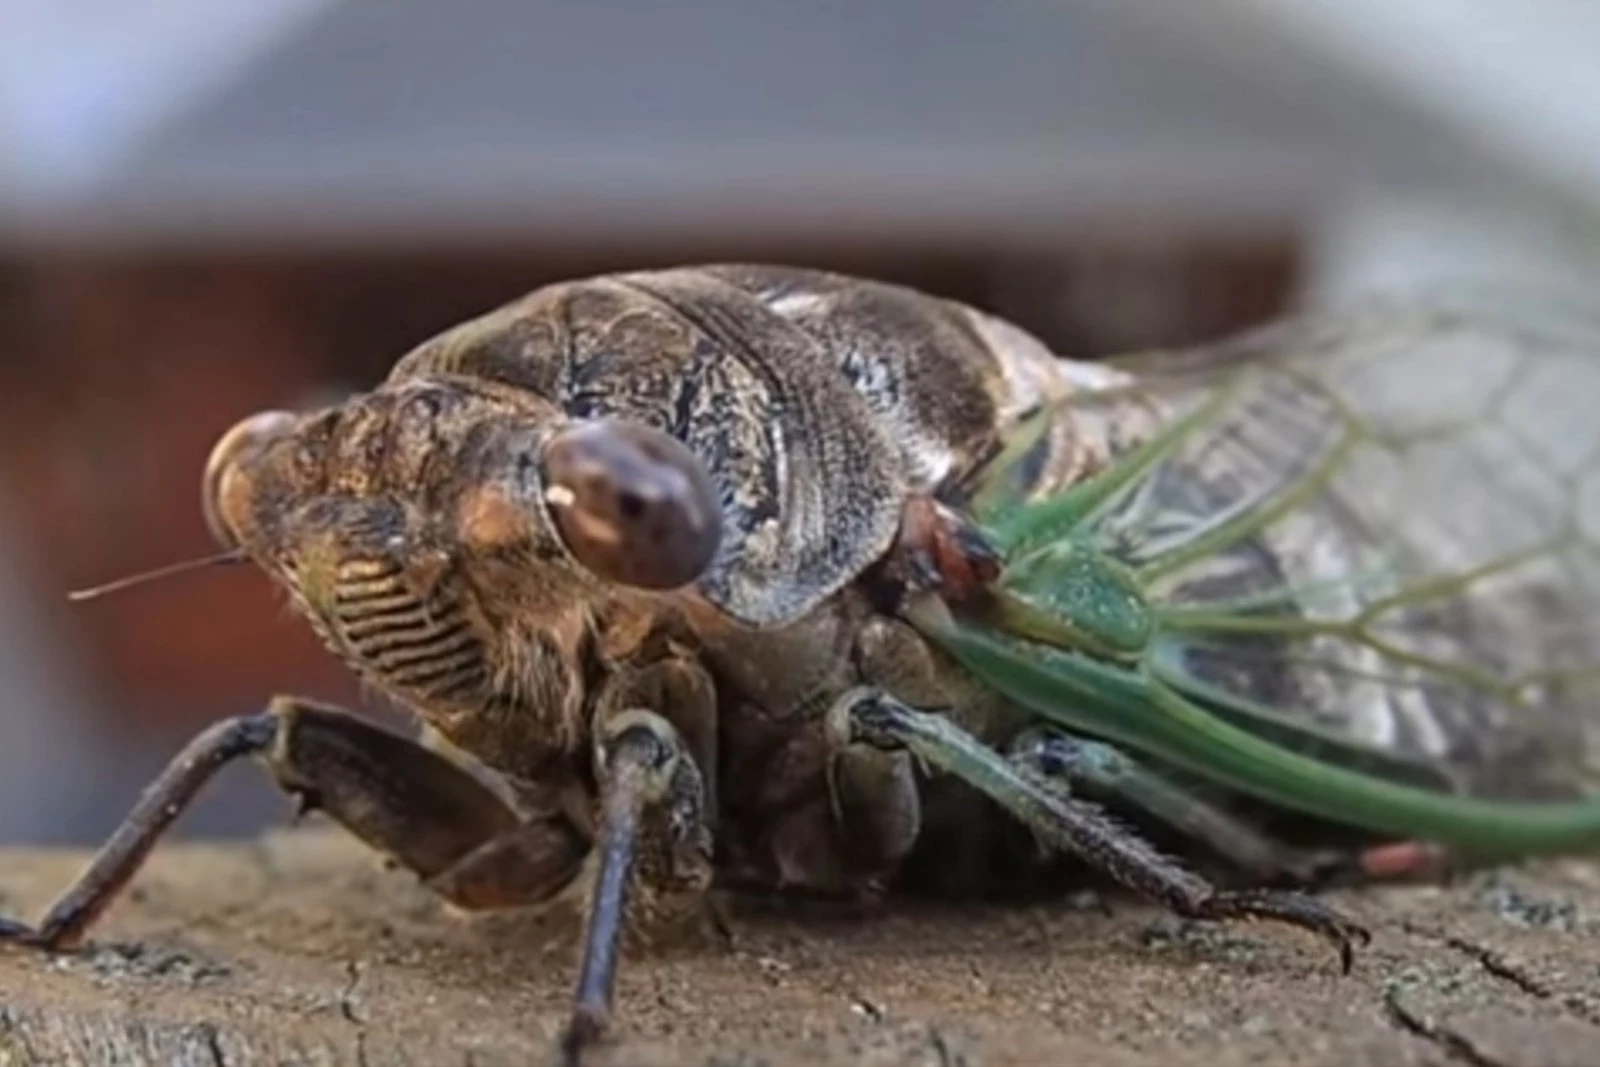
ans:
(233, 555)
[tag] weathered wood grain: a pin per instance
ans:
(299, 949)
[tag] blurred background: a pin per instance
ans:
(208, 207)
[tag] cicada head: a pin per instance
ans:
(424, 528)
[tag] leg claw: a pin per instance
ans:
(15, 933)
(1297, 910)
(583, 1031)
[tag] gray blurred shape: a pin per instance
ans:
(1010, 120)
(53, 759)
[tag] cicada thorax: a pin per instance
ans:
(820, 405)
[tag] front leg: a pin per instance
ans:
(1079, 827)
(431, 816)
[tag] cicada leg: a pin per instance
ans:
(843, 843)
(1079, 827)
(429, 814)
(652, 863)
(846, 841)
(1105, 773)
(437, 819)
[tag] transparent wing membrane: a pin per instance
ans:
(1375, 536)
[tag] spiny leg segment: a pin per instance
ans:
(1105, 773)
(1077, 826)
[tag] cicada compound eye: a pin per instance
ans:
(633, 505)
(225, 489)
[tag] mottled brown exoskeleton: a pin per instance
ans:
(640, 545)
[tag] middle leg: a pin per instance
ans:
(653, 829)
(1107, 773)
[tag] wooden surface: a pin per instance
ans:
(299, 949)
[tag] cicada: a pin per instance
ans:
(769, 577)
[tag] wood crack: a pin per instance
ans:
(1454, 1045)
(1507, 972)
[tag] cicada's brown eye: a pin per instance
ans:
(225, 489)
(632, 504)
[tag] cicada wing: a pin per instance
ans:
(1380, 524)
